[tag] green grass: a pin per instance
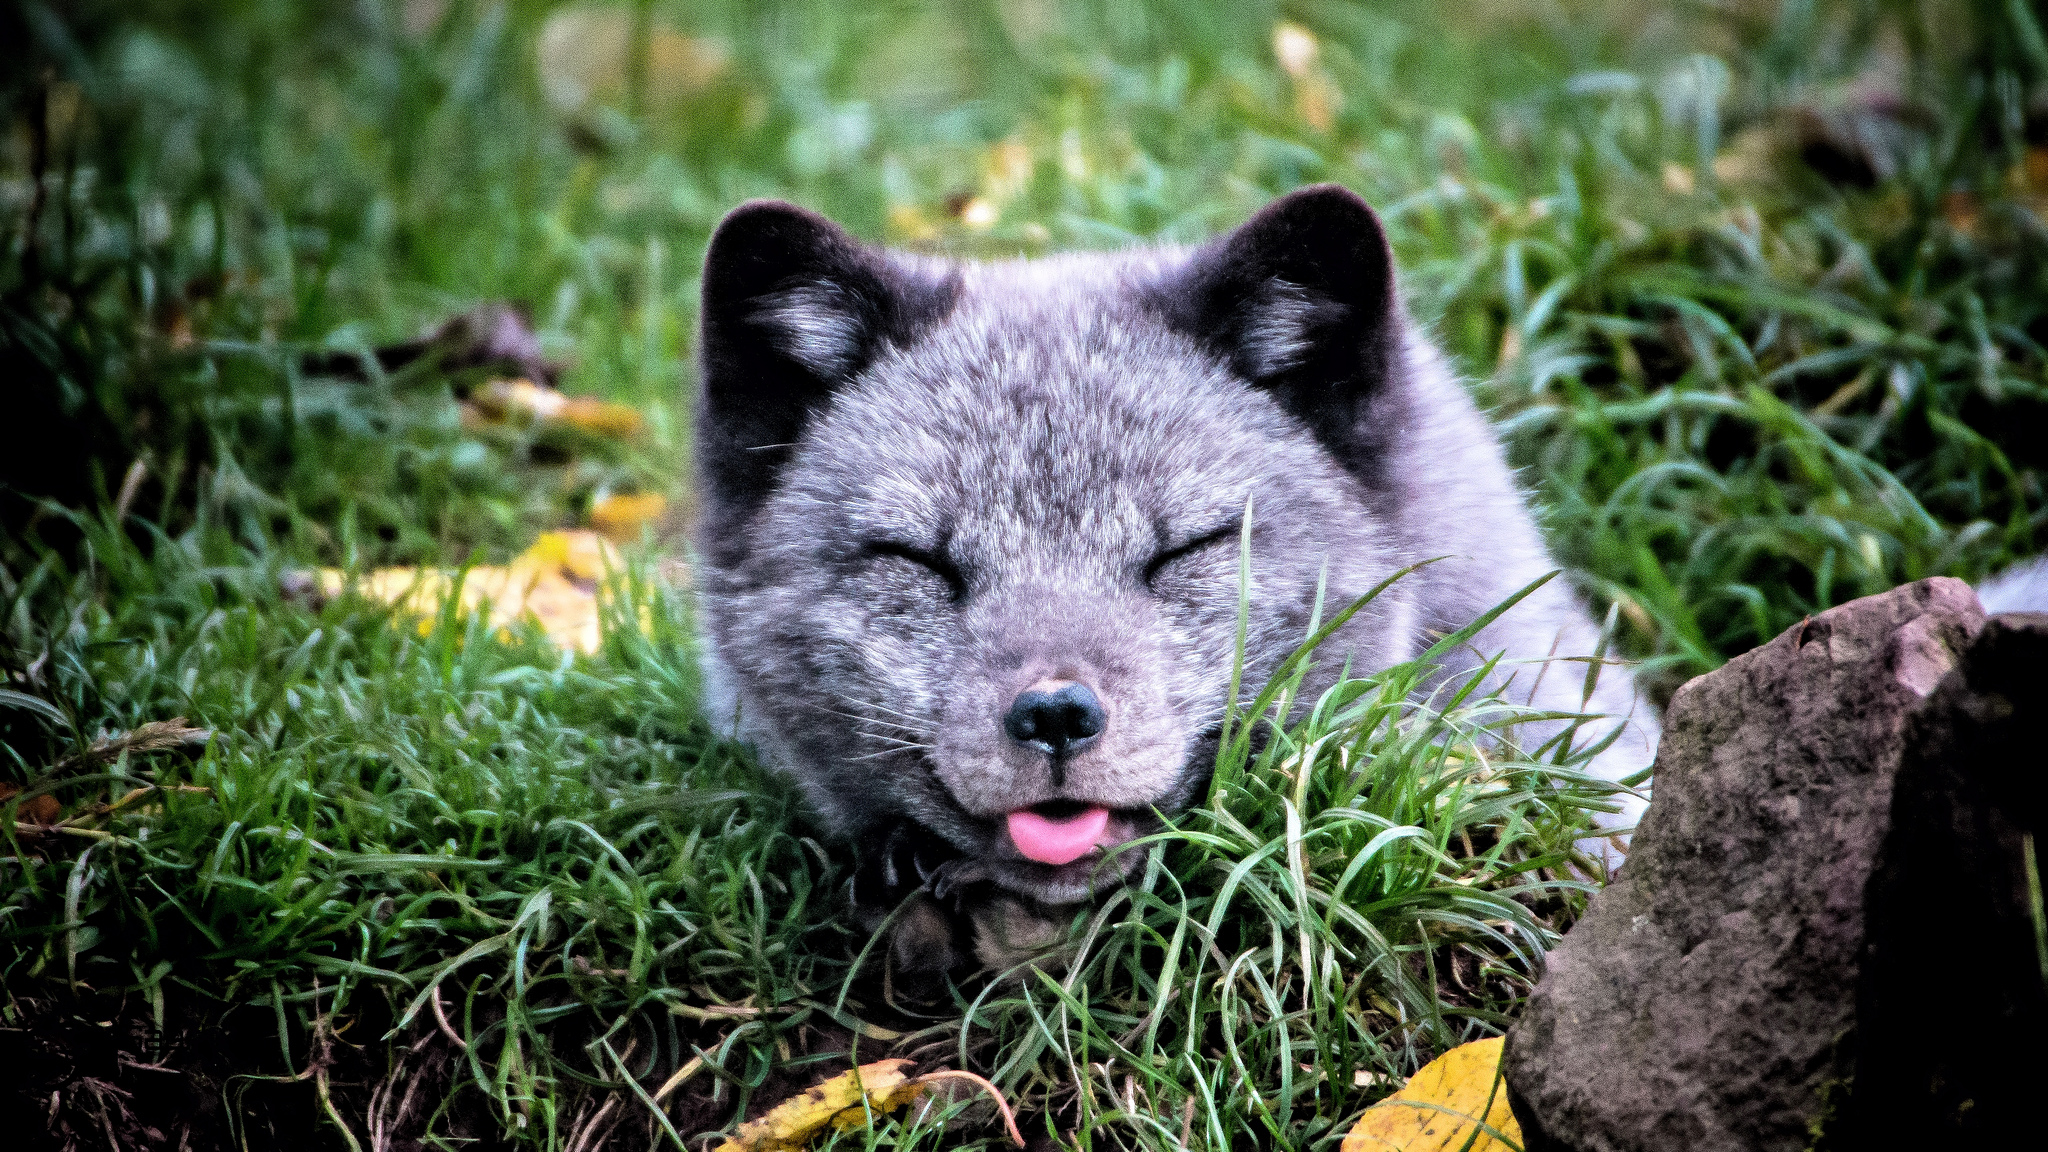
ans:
(389, 811)
(555, 849)
(1741, 391)
(1314, 932)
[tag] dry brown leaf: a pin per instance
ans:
(155, 736)
(42, 809)
(1963, 211)
(1441, 1107)
(2029, 180)
(1317, 100)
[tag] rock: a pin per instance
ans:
(1701, 1000)
(1951, 1046)
(491, 336)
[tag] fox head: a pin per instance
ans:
(970, 534)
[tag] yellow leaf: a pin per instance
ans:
(601, 417)
(574, 554)
(587, 55)
(520, 400)
(1441, 1106)
(567, 613)
(835, 1103)
(1317, 101)
(620, 517)
(556, 581)
(909, 223)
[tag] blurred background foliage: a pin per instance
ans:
(1757, 288)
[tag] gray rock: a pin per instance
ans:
(1952, 996)
(1702, 1000)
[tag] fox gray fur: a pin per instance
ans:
(2020, 588)
(928, 490)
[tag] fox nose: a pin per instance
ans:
(1057, 717)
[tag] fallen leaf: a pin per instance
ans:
(1962, 210)
(837, 1103)
(601, 417)
(885, 1085)
(42, 809)
(586, 55)
(557, 582)
(1456, 1102)
(567, 613)
(519, 400)
(908, 222)
(1317, 101)
(577, 554)
(1754, 159)
(2029, 180)
(621, 517)
(2035, 167)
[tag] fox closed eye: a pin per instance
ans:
(937, 563)
(1228, 532)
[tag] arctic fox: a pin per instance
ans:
(969, 534)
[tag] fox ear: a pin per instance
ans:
(793, 309)
(1300, 301)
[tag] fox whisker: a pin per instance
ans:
(875, 721)
(889, 752)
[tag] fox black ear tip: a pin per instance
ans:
(767, 206)
(1329, 191)
(1323, 203)
(765, 217)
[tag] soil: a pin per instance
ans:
(95, 1073)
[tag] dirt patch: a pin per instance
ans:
(97, 1073)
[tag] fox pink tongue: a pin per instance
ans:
(1057, 841)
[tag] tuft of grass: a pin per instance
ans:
(393, 827)
(1375, 878)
